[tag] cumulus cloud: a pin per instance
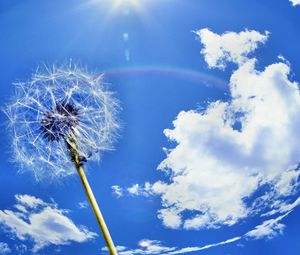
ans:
(237, 158)
(243, 145)
(41, 222)
(229, 47)
(4, 248)
(295, 2)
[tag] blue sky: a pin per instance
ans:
(207, 158)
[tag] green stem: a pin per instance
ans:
(78, 164)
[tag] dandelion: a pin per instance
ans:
(63, 117)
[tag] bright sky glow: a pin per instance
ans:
(206, 157)
(119, 5)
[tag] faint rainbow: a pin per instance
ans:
(201, 78)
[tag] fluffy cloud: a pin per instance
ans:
(234, 148)
(295, 2)
(237, 158)
(4, 248)
(41, 222)
(237, 146)
(230, 46)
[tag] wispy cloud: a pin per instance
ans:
(83, 205)
(295, 2)
(268, 229)
(145, 247)
(117, 191)
(21, 249)
(205, 247)
(138, 190)
(4, 248)
(154, 247)
(134, 190)
(41, 222)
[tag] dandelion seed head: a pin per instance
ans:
(57, 104)
(60, 122)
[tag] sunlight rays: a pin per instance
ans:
(114, 6)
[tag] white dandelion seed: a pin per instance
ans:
(60, 104)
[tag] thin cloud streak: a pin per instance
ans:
(267, 229)
(255, 233)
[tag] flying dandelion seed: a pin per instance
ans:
(59, 119)
(58, 104)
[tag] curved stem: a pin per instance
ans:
(78, 164)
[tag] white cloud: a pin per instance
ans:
(134, 190)
(117, 191)
(269, 228)
(83, 205)
(228, 154)
(41, 222)
(230, 46)
(28, 201)
(243, 145)
(239, 146)
(205, 247)
(21, 249)
(153, 247)
(138, 190)
(145, 247)
(4, 248)
(284, 208)
(295, 2)
(170, 217)
(119, 248)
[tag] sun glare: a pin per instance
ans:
(115, 6)
(126, 3)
